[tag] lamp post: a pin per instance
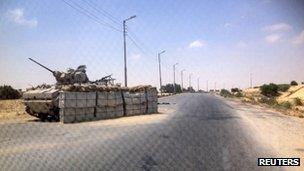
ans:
(174, 77)
(125, 47)
(182, 79)
(159, 70)
(198, 84)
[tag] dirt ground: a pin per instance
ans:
(12, 110)
(292, 93)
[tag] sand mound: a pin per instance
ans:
(12, 109)
(292, 93)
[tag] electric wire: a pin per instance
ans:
(102, 12)
(89, 15)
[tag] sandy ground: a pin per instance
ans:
(13, 110)
(281, 133)
(293, 92)
(289, 95)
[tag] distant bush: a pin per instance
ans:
(268, 100)
(269, 90)
(235, 90)
(225, 93)
(293, 83)
(169, 88)
(285, 105)
(297, 101)
(238, 94)
(8, 92)
(283, 87)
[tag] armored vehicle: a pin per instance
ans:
(43, 101)
(74, 98)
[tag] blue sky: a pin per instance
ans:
(218, 41)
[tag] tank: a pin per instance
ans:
(43, 101)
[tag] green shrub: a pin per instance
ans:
(297, 101)
(235, 90)
(268, 100)
(238, 94)
(269, 90)
(169, 88)
(7, 92)
(225, 93)
(285, 105)
(293, 83)
(283, 87)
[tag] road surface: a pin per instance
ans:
(192, 132)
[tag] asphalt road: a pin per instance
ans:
(193, 132)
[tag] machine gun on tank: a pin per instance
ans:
(106, 80)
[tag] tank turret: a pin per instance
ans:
(70, 77)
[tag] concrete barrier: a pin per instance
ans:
(88, 106)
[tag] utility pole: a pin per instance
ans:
(214, 86)
(174, 77)
(182, 79)
(125, 47)
(198, 84)
(207, 85)
(159, 70)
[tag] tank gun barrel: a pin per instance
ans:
(42, 65)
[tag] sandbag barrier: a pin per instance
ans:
(88, 106)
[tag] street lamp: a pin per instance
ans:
(159, 70)
(198, 84)
(182, 80)
(190, 80)
(174, 77)
(125, 47)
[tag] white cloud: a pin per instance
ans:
(299, 39)
(197, 44)
(273, 38)
(135, 56)
(17, 16)
(277, 27)
(241, 44)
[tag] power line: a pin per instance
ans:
(144, 51)
(102, 12)
(136, 38)
(137, 45)
(90, 15)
